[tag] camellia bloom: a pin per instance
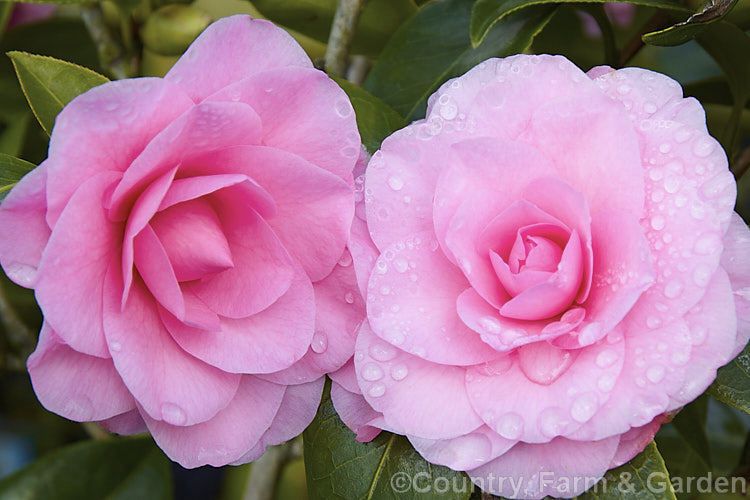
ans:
(186, 243)
(554, 265)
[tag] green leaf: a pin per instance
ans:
(338, 467)
(375, 119)
(11, 171)
(120, 468)
(434, 46)
(486, 13)
(49, 84)
(377, 23)
(5, 10)
(732, 384)
(643, 478)
(686, 30)
(729, 46)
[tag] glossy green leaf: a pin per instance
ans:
(116, 469)
(339, 467)
(486, 13)
(11, 171)
(434, 46)
(732, 384)
(377, 23)
(643, 478)
(686, 30)
(729, 46)
(375, 119)
(49, 84)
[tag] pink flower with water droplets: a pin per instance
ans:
(551, 263)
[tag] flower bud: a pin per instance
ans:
(171, 29)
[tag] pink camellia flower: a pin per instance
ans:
(186, 243)
(555, 265)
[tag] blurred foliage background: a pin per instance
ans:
(130, 38)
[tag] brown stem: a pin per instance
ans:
(658, 21)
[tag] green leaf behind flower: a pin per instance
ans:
(122, 468)
(12, 169)
(375, 119)
(49, 84)
(434, 46)
(732, 384)
(685, 31)
(486, 13)
(339, 467)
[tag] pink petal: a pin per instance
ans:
(262, 272)
(314, 208)
(23, 229)
(256, 46)
(654, 369)
(464, 452)
(346, 376)
(105, 129)
(205, 127)
(635, 440)
(125, 424)
(713, 331)
(356, 413)
(569, 206)
(623, 271)
(339, 312)
(410, 391)
(69, 293)
(560, 468)
(193, 239)
(75, 385)
(594, 147)
(484, 181)
(265, 342)
(190, 188)
(736, 262)
(414, 308)
(303, 112)
(154, 268)
(553, 296)
(167, 383)
(543, 396)
(363, 251)
(228, 435)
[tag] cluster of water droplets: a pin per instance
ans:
(380, 368)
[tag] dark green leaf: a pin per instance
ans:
(709, 91)
(11, 171)
(49, 84)
(729, 46)
(338, 467)
(687, 30)
(375, 119)
(488, 12)
(434, 46)
(378, 21)
(115, 469)
(643, 478)
(732, 384)
(690, 423)
(5, 11)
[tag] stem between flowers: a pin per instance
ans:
(342, 32)
(611, 55)
(112, 56)
(265, 472)
(658, 21)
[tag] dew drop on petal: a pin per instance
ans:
(173, 414)
(376, 390)
(382, 351)
(510, 426)
(372, 372)
(319, 342)
(399, 372)
(584, 407)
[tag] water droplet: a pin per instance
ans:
(372, 372)
(385, 290)
(319, 342)
(377, 390)
(606, 382)
(655, 374)
(343, 108)
(707, 244)
(665, 148)
(401, 264)
(584, 407)
(510, 426)
(382, 351)
(490, 325)
(702, 275)
(173, 414)
(703, 147)
(623, 89)
(658, 222)
(553, 422)
(381, 267)
(396, 183)
(698, 334)
(345, 260)
(448, 111)
(115, 347)
(349, 298)
(399, 372)
(672, 184)
(606, 358)
(649, 107)
(673, 289)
